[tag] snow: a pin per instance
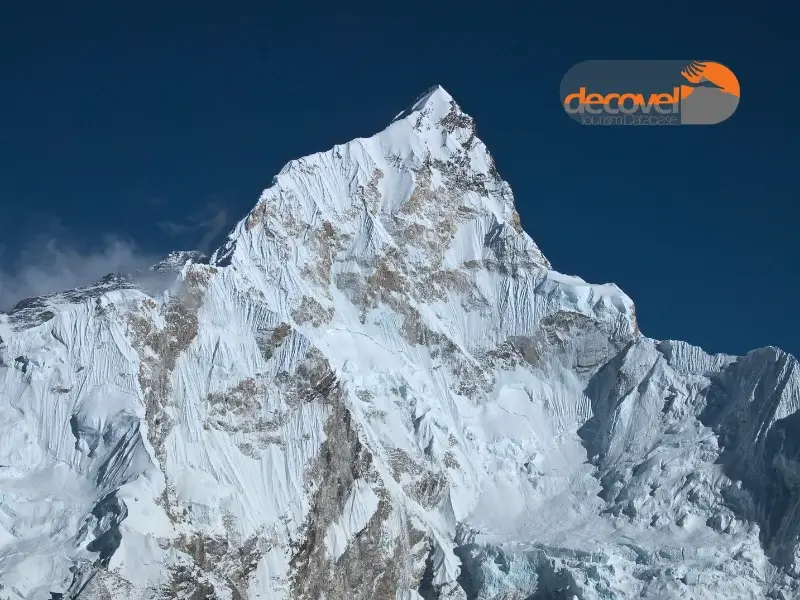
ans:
(380, 383)
(358, 510)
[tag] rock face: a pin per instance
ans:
(379, 388)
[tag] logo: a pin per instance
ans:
(649, 92)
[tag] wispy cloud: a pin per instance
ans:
(49, 264)
(202, 229)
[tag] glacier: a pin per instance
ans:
(379, 387)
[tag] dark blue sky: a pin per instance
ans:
(117, 116)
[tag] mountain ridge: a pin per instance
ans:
(379, 387)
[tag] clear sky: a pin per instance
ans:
(128, 129)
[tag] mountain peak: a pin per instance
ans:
(435, 96)
(425, 186)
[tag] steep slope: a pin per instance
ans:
(379, 388)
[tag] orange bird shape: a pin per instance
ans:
(709, 74)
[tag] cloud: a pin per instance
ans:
(49, 265)
(202, 229)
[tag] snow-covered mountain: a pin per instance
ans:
(379, 388)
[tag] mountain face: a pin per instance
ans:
(379, 388)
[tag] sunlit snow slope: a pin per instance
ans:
(378, 388)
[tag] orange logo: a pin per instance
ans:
(665, 92)
(710, 94)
